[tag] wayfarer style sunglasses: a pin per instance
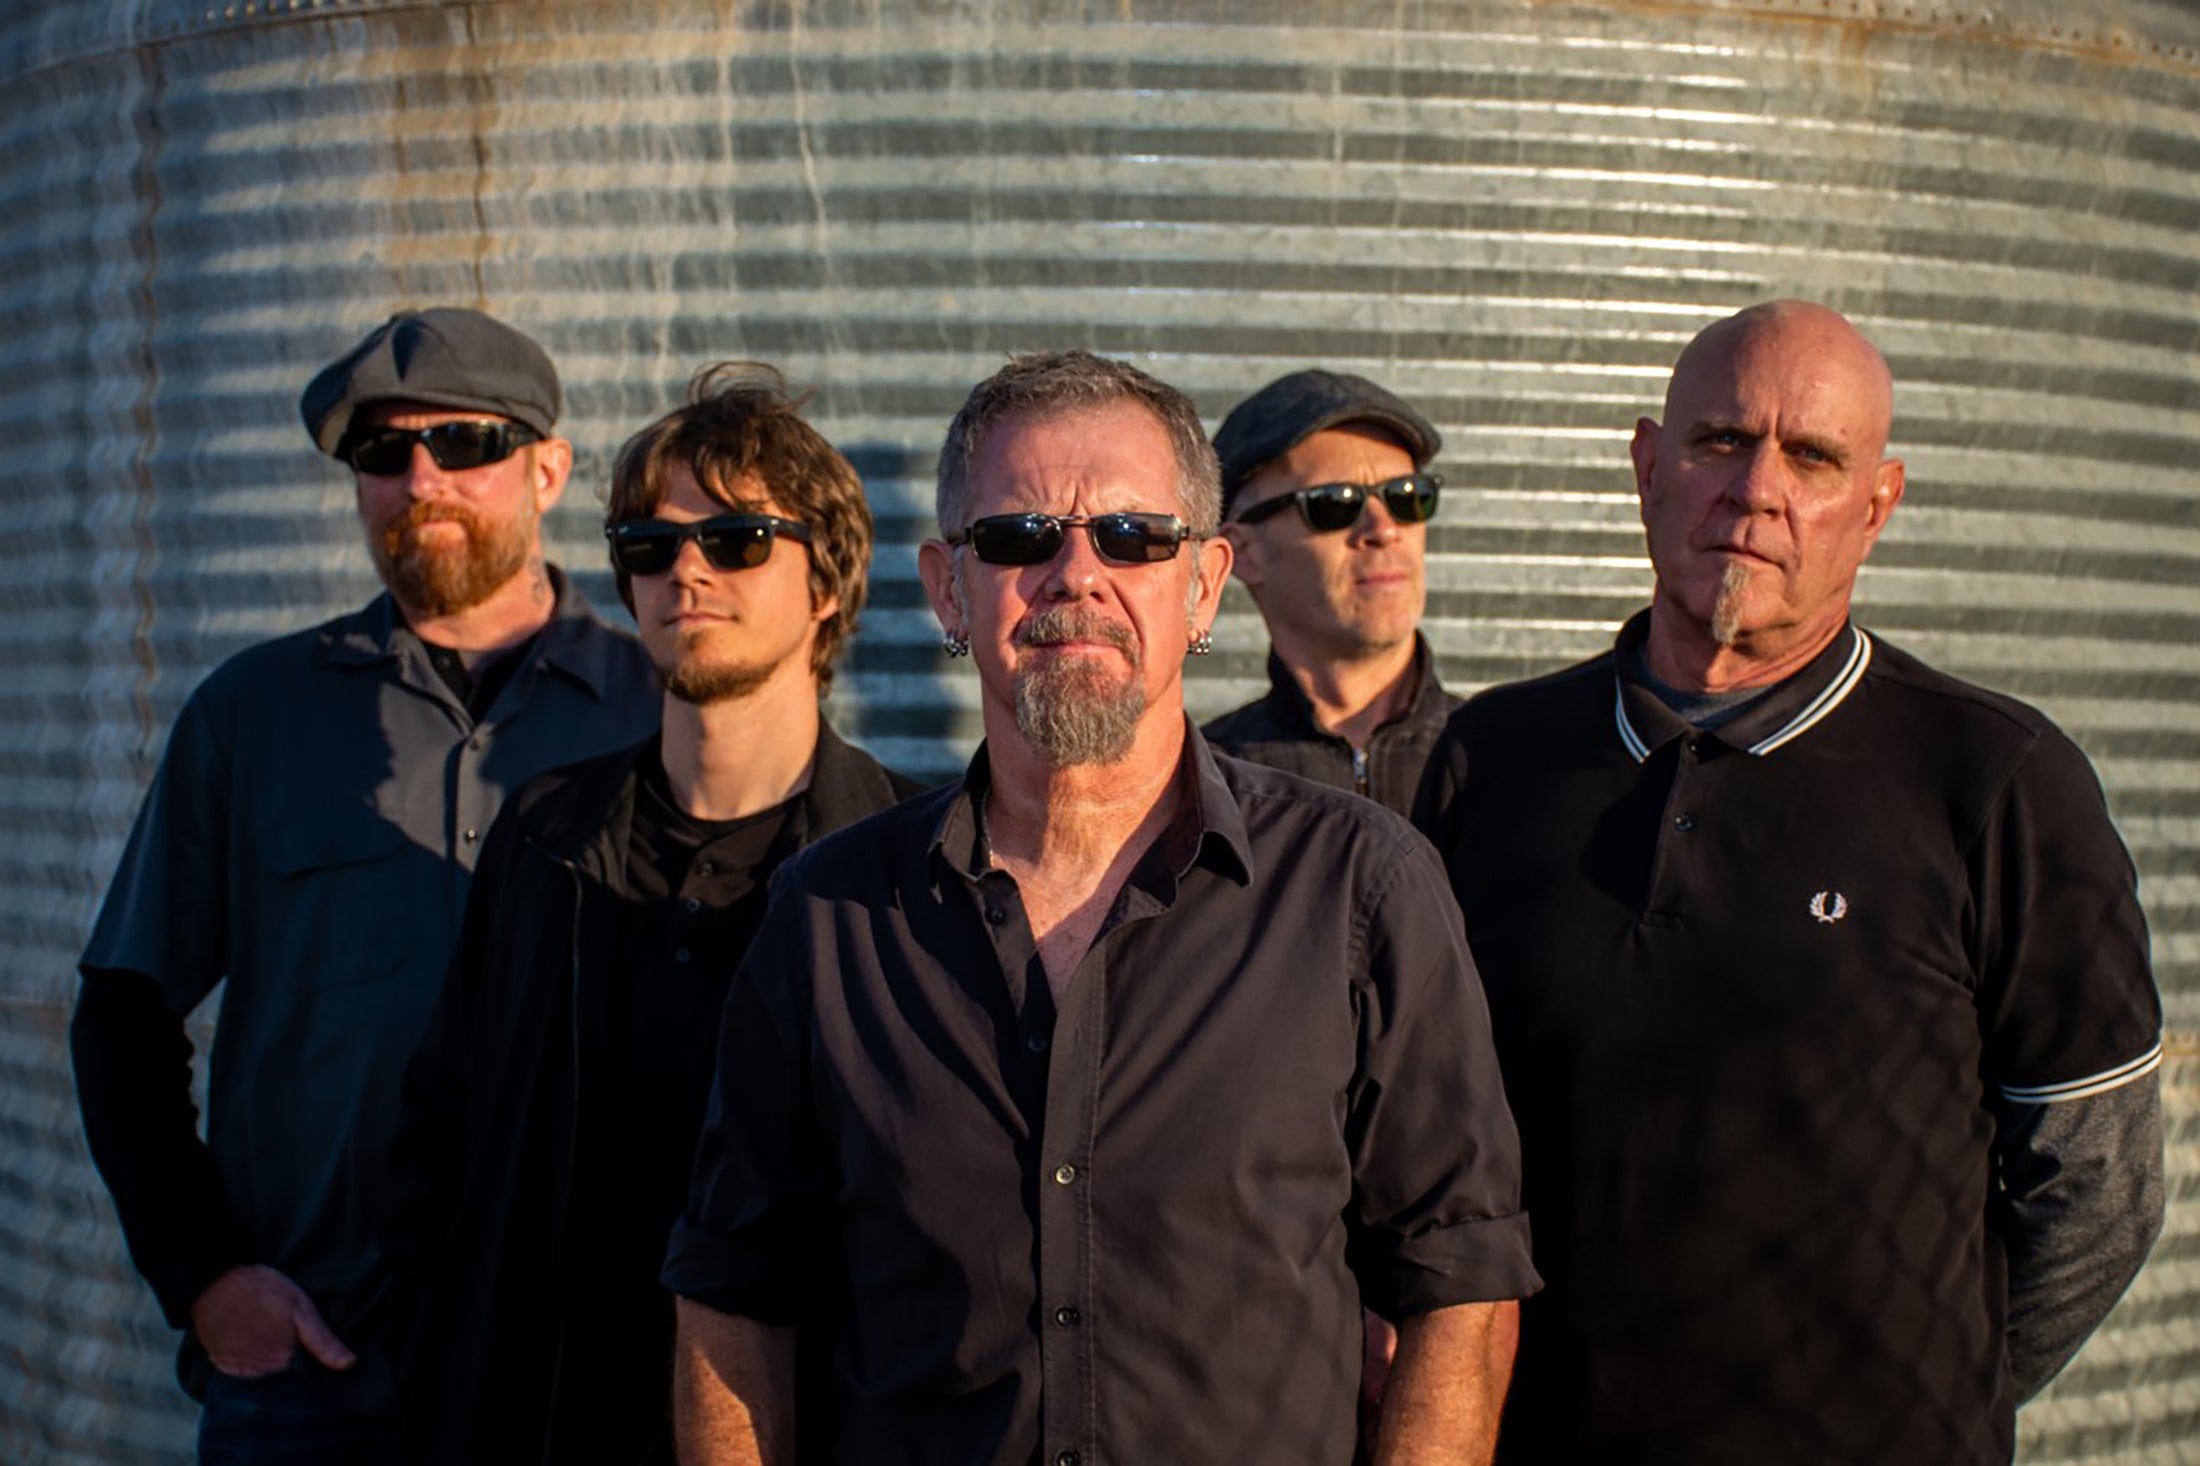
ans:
(467, 443)
(728, 541)
(1034, 539)
(1327, 508)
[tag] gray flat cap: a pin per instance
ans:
(445, 357)
(1293, 408)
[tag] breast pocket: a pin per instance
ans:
(344, 895)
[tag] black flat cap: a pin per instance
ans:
(1291, 409)
(445, 357)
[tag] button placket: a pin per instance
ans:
(1065, 1212)
(1673, 844)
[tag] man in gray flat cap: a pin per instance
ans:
(1326, 498)
(307, 844)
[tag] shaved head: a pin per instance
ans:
(1763, 491)
(1845, 353)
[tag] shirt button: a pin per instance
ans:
(1037, 1043)
(681, 954)
(709, 867)
(1068, 1317)
(1064, 1174)
(1067, 1458)
(470, 836)
(1684, 822)
(995, 915)
(691, 905)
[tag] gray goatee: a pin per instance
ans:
(1070, 711)
(1726, 608)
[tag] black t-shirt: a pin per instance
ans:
(690, 896)
(477, 686)
(1753, 989)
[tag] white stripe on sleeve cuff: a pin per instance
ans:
(2076, 1089)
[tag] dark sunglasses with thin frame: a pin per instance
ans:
(465, 443)
(728, 541)
(1327, 508)
(1034, 539)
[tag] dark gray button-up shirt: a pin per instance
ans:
(1140, 1228)
(309, 838)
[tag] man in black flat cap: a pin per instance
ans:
(1326, 498)
(307, 845)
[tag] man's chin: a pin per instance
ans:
(701, 681)
(1369, 639)
(1730, 608)
(437, 589)
(1072, 713)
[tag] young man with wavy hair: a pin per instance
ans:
(552, 1115)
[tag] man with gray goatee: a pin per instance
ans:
(1819, 977)
(1094, 1094)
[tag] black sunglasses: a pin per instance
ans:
(729, 541)
(467, 443)
(1326, 508)
(1034, 539)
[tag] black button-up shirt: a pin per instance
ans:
(1142, 1227)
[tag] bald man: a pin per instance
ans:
(1818, 977)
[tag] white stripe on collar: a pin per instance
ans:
(1836, 691)
(1831, 696)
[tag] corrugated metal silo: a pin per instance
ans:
(1511, 212)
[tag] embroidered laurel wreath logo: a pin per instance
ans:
(1829, 906)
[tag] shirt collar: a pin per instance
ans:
(1792, 708)
(571, 641)
(1207, 826)
(1293, 707)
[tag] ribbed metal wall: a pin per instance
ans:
(1512, 212)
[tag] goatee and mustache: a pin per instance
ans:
(442, 579)
(1069, 709)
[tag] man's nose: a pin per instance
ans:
(689, 563)
(423, 475)
(1375, 525)
(1075, 570)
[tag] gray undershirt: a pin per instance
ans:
(1701, 710)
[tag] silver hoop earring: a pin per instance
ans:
(1202, 643)
(955, 644)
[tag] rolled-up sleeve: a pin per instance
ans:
(1436, 1218)
(757, 1229)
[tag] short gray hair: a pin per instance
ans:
(1051, 383)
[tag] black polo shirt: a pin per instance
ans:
(1140, 1229)
(1753, 990)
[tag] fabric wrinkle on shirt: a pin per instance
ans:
(1755, 988)
(1140, 1227)
(307, 845)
